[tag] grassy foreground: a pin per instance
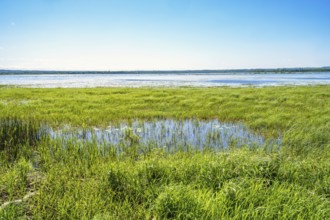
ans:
(79, 181)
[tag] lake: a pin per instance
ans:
(165, 79)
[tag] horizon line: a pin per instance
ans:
(167, 70)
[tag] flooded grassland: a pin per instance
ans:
(165, 153)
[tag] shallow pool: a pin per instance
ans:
(169, 134)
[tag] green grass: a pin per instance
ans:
(76, 180)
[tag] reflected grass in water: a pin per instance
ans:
(169, 134)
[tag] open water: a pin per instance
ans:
(165, 80)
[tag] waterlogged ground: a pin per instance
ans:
(70, 176)
(170, 135)
(167, 80)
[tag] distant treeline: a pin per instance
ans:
(229, 71)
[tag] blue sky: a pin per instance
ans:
(163, 34)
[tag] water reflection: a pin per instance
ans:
(170, 135)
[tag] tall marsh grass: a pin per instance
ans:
(17, 133)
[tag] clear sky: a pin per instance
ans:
(163, 34)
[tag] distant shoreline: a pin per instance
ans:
(229, 71)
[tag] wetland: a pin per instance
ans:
(231, 153)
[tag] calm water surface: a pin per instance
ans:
(167, 80)
(169, 134)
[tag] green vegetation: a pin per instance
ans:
(44, 178)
